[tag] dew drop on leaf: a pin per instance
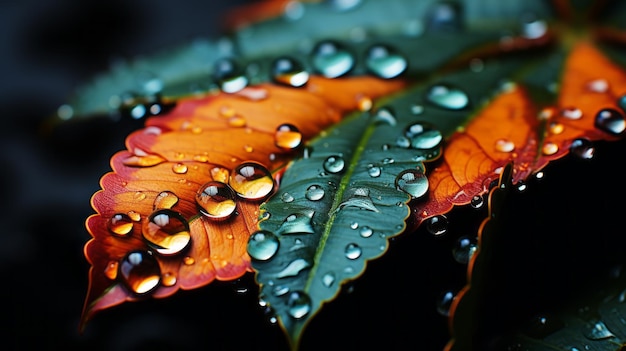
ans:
(262, 245)
(166, 231)
(179, 168)
(384, 115)
(288, 71)
(504, 145)
(582, 148)
(297, 223)
(299, 304)
(140, 271)
(447, 97)
(293, 268)
(216, 200)
(286, 197)
(463, 249)
(412, 181)
(598, 86)
(572, 113)
(120, 224)
(168, 279)
(165, 199)
(353, 251)
(331, 59)
(549, 148)
(328, 279)
(110, 271)
(597, 331)
(287, 137)
(366, 232)
(423, 136)
(314, 193)
(444, 302)
(334, 164)
(374, 171)
(611, 121)
(437, 225)
(229, 75)
(477, 201)
(383, 62)
(251, 180)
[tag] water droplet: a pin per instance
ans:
(366, 232)
(549, 148)
(504, 145)
(165, 199)
(220, 174)
(477, 201)
(179, 168)
(288, 71)
(403, 142)
(359, 198)
(229, 75)
(262, 245)
(293, 268)
(287, 137)
(299, 304)
(280, 290)
(237, 121)
(447, 97)
(314, 192)
(134, 215)
(110, 271)
(598, 86)
(188, 260)
(444, 302)
(216, 200)
(328, 279)
(286, 197)
(294, 10)
(353, 251)
(374, 171)
(65, 112)
(334, 164)
(167, 232)
(423, 136)
(437, 225)
(556, 128)
(354, 225)
(120, 224)
(417, 109)
(384, 62)
(598, 331)
(463, 249)
(168, 279)
(331, 59)
(140, 271)
(533, 28)
(444, 16)
(143, 159)
(582, 148)
(610, 121)
(384, 115)
(252, 181)
(412, 181)
(572, 113)
(297, 223)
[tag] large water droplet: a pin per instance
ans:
(582, 148)
(437, 225)
(120, 224)
(331, 59)
(165, 199)
(384, 62)
(140, 271)
(477, 201)
(464, 249)
(366, 232)
(334, 164)
(293, 268)
(447, 97)
(251, 180)
(287, 137)
(288, 71)
(353, 251)
(262, 245)
(610, 121)
(299, 304)
(412, 181)
(216, 200)
(297, 223)
(374, 171)
(166, 231)
(423, 136)
(229, 75)
(314, 192)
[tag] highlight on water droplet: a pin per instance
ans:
(120, 224)
(353, 251)
(384, 62)
(549, 148)
(437, 225)
(331, 59)
(444, 302)
(611, 121)
(366, 232)
(140, 271)
(504, 145)
(262, 245)
(447, 97)
(464, 249)
(229, 75)
(287, 137)
(216, 200)
(251, 180)
(298, 304)
(328, 279)
(334, 164)
(287, 71)
(167, 232)
(165, 199)
(412, 181)
(583, 148)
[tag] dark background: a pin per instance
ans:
(566, 235)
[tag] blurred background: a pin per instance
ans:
(565, 235)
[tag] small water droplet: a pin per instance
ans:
(229, 75)
(188, 260)
(504, 145)
(366, 232)
(437, 225)
(120, 224)
(444, 16)
(65, 112)
(384, 115)
(251, 180)
(237, 121)
(216, 200)
(165, 199)
(582, 148)
(444, 302)
(140, 271)
(374, 171)
(412, 181)
(139, 196)
(166, 231)
(328, 279)
(533, 28)
(262, 245)
(611, 121)
(287, 137)
(334, 164)
(556, 128)
(134, 215)
(549, 148)
(286, 197)
(354, 225)
(572, 113)
(299, 304)
(293, 268)
(143, 159)
(423, 136)
(598, 86)
(353, 251)
(288, 71)
(297, 223)
(331, 59)
(314, 192)
(384, 62)
(477, 201)
(464, 249)
(447, 97)
(280, 290)
(168, 279)
(111, 269)
(598, 331)
(179, 168)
